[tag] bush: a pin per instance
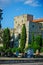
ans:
(19, 50)
(14, 49)
(35, 46)
(41, 49)
(8, 50)
(2, 49)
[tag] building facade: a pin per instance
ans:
(40, 21)
(32, 26)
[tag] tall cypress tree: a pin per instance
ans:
(23, 38)
(6, 38)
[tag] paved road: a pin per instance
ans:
(24, 64)
(9, 58)
(20, 60)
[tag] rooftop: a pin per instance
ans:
(38, 20)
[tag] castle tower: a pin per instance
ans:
(18, 23)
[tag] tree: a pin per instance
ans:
(35, 46)
(42, 42)
(14, 49)
(36, 42)
(39, 40)
(6, 38)
(41, 50)
(23, 38)
(33, 38)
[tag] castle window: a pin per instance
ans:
(22, 20)
(16, 21)
(23, 16)
(18, 24)
(18, 17)
(39, 27)
(33, 26)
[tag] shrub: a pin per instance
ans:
(35, 46)
(14, 49)
(41, 50)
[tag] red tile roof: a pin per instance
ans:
(38, 20)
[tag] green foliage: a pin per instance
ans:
(41, 50)
(8, 50)
(14, 49)
(39, 39)
(23, 38)
(42, 42)
(6, 38)
(35, 46)
(29, 46)
(19, 50)
(1, 48)
(36, 42)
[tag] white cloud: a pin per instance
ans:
(28, 2)
(32, 2)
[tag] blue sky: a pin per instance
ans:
(12, 8)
